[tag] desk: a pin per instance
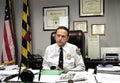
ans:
(18, 82)
(75, 75)
(108, 74)
(107, 78)
(53, 78)
(93, 63)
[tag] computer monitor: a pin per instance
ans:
(110, 50)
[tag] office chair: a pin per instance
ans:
(76, 37)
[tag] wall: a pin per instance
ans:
(41, 39)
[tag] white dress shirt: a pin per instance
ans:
(71, 60)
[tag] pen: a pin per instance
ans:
(39, 75)
(96, 79)
(19, 72)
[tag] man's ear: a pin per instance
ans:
(55, 36)
(68, 38)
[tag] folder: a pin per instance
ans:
(51, 72)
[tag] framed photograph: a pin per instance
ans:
(98, 29)
(55, 16)
(91, 8)
(80, 25)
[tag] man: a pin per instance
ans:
(71, 59)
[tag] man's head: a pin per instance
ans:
(61, 36)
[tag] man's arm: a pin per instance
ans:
(45, 63)
(79, 64)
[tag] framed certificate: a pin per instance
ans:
(55, 17)
(98, 29)
(80, 25)
(91, 8)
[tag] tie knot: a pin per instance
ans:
(61, 48)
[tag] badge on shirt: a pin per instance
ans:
(68, 56)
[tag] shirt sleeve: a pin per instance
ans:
(79, 63)
(45, 63)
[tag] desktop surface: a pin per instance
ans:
(48, 76)
(77, 77)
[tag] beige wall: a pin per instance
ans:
(41, 39)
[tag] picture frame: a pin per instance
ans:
(81, 25)
(89, 8)
(98, 29)
(55, 16)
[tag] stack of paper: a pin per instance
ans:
(109, 70)
(107, 78)
(77, 77)
(72, 76)
(9, 72)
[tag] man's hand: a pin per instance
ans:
(58, 68)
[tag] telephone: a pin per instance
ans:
(35, 61)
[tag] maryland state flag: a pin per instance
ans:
(8, 49)
(26, 34)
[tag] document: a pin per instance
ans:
(93, 47)
(109, 70)
(77, 77)
(8, 73)
(107, 78)
(72, 76)
(114, 68)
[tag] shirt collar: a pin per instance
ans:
(64, 47)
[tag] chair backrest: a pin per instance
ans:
(76, 37)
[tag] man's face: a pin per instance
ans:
(61, 37)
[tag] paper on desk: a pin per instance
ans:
(77, 77)
(107, 78)
(6, 73)
(47, 78)
(114, 68)
(12, 67)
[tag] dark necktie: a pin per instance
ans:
(61, 58)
